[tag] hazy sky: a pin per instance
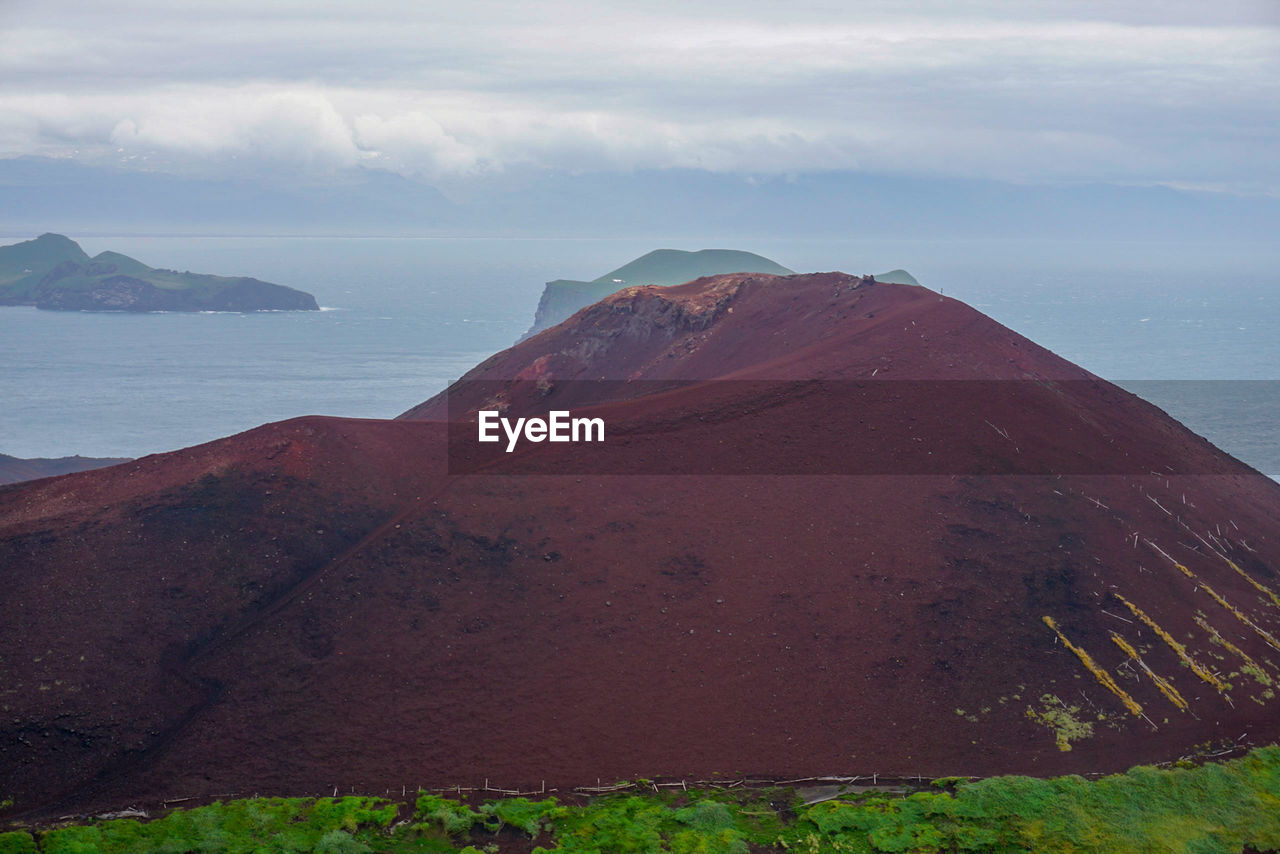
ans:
(1176, 92)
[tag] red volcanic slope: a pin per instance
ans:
(319, 603)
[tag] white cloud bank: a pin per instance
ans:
(1173, 92)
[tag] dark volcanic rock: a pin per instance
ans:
(322, 602)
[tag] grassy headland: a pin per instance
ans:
(53, 272)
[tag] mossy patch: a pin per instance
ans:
(1064, 720)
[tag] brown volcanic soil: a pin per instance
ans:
(318, 603)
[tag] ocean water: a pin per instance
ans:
(403, 317)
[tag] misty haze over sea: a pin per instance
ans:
(405, 316)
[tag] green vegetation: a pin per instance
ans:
(324, 826)
(449, 816)
(1217, 808)
(897, 277)
(53, 272)
(1211, 809)
(532, 817)
(17, 842)
(675, 266)
(637, 824)
(1062, 719)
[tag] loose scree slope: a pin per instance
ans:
(320, 602)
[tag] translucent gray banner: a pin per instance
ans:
(866, 427)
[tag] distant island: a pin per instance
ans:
(16, 470)
(53, 272)
(564, 297)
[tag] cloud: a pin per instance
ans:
(270, 126)
(413, 143)
(1174, 92)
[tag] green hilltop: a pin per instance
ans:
(561, 298)
(53, 272)
(45, 252)
(675, 266)
(897, 277)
